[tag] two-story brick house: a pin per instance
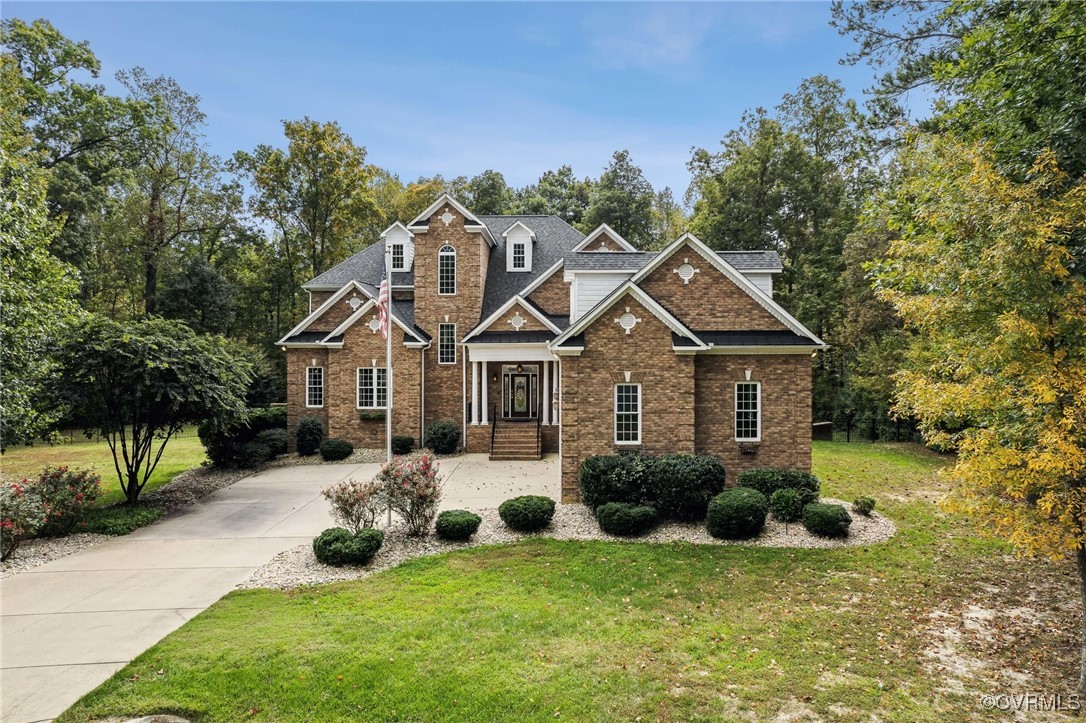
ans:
(536, 338)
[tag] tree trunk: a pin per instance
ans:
(131, 494)
(1080, 555)
(150, 285)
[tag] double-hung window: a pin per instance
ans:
(446, 271)
(748, 411)
(627, 414)
(520, 257)
(372, 387)
(398, 258)
(314, 386)
(446, 343)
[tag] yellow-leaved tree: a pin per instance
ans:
(988, 274)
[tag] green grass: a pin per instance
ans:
(181, 454)
(617, 631)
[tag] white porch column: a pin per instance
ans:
(475, 392)
(558, 413)
(486, 386)
(546, 392)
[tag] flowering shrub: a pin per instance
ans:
(355, 504)
(21, 516)
(66, 496)
(412, 488)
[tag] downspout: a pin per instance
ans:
(464, 395)
(422, 395)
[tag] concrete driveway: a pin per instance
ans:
(70, 624)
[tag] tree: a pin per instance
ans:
(37, 290)
(558, 193)
(622, 199)
(199, 296)
(668, 218)
(141, 382)
(983, 274)
(489, 194)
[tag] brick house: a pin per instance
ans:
(535, 338)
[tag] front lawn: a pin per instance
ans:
(913, 629)
(181, 454)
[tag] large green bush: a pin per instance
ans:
(308, 436)
(786, 505)
(333, 450)
(681, 485)
(529, 513)
(626, 520)
(614, 478)
(826, 520)
(402, 444)
(337, 546)
(274, 439)
(737, 514)
(224, 442)
(443, 437)
(767, 481)
(457, 524)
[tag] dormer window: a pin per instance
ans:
(520, 256)
(518, 244)
(399, 258)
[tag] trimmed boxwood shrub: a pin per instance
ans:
(252, 454)
(681, 485)
(457, 524)
(275, 439)
(402, 444)
(626, 520)
(786, 505)
(337, 546)
(737, 514)
(613, 478)
(309, 436)
(528, 513)
(826, 520)
(767, 481)
(223, 442)
(863, 505)
(333, 450)
(443, 437)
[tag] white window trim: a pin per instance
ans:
(447, 363)
(307, 385)
(735, 409)
(358, 388)
(403, 256)
(640, 416)
(441, 253)
(523, 246)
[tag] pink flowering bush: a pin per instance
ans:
(66, 496)
(412, 488)
(355, 504)
(21, 516)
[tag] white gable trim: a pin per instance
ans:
(539, 281)
(399, 226)
(647, 301)
(734, 275)
(518, 299)
(443, 199)
(362, 310)
(332, 300)
(505, 234)
(604, 228)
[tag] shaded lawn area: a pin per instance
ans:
(181, 454)
(600, 631)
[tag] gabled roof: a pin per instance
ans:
(471, 222)
(300, 335)
(733, 274)
(332, 300)
(366, 265)
(505, 233)
(409, 331)
(515, 301)
(399, 226)
(613, 234)
(613, 261)
(645, 300)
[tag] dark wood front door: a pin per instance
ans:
(520, 390)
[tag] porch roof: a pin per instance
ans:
(512, 337)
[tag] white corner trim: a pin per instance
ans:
(518, 299)
(604, 229)
(628, 287)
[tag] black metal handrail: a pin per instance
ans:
(493, 423)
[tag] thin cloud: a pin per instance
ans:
(648, 36)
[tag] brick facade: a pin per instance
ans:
(505, 322)
(552, 296)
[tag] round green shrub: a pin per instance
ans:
(826, 520)
(737, 514)
(443, 437)
(528, 513)
(309, 436)
(222, 441)
(402, 444)
(767, 481)
(252, 454)
(626, 520)
(863, 505)
(275, 439)
(333, 450)
(786, 505)
(682, 484)
(337, 546)
(457, 524)
(613, 478)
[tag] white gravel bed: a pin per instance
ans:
(359, 456)
(32, 553)
(298, 566)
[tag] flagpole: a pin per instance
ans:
(388, 363)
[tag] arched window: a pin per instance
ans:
(446, 271)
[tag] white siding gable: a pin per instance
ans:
(763, 281)
(518, 235)
(588, 289)
(397, 234)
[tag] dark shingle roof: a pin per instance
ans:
(367, 265)
(553, 240)
(634, 261)
(744, 260)
(306, 337)
(754, 338)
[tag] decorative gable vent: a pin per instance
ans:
(686, 271)
(628, 321)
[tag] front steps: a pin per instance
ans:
(516, 441)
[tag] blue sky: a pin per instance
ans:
(458, 88)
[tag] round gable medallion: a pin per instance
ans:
(517, 321)
(447, 218)
(354, 302)
(374, 324)
(627, 321)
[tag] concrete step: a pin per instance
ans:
(515, 457)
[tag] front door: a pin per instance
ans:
(520, 386)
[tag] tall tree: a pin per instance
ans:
(668, 218)
(489, 194)
(200, 296)
(622, 198)
(984, 274)
(558, 193)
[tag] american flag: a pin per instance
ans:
(382, 306)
